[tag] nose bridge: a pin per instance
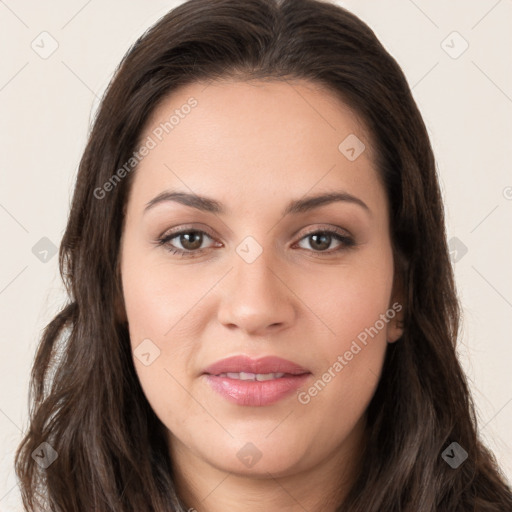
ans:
(255, 298)
(253, 269)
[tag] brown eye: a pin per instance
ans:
(320, 241)
(191, 240)
(185, 242)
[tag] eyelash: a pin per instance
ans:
(346, 242)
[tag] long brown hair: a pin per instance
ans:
(86, 400)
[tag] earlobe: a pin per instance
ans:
(119, 307)
(120, 313)
(395, 330)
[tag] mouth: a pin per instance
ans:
(253, 376)
(246, 367)
(255, 382)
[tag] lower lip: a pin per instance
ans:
(253, 392)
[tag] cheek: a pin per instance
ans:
(159, 298)
(349, 299)
(157, 301)
(352, 308)
(156, 308)
(352, 358)
(159, 309)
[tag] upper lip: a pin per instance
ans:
(243, 363)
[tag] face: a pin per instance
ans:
(247, 275)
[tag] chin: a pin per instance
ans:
(260, 455)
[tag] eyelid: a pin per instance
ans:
(185, 229)
(329, 228)
(346, 239)
(322, 227)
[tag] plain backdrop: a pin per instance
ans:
(456, 56)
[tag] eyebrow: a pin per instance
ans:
(296, 206)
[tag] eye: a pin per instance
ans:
(320, 240)
(191, 241)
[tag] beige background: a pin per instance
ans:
(47, 104)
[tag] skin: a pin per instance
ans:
(254, 147)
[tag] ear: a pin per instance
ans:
(120, 311)
(119, 306)
(396, 311)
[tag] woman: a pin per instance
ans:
(262, 309)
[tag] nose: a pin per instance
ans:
(256, 297)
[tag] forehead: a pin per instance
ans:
(262, 138)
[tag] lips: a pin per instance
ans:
(255, 382)
(264, 365)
